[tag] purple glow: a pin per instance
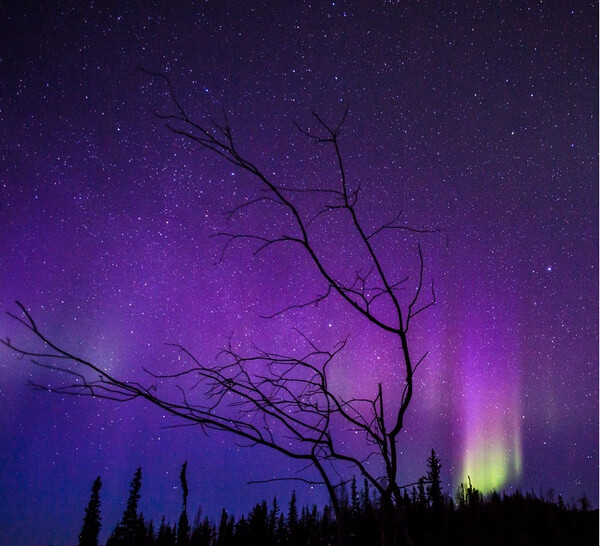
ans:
(481, 120)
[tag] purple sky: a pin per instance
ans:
(478, 117)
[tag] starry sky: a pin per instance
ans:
(475, 117)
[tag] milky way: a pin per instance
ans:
(479, 118)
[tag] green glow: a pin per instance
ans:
(488, 468)
(491, 464)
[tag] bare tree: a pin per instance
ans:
(276, 400)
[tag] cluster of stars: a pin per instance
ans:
(475, 119)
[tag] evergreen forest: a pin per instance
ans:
(428, 516)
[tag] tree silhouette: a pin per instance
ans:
(479, 519)
(272, 519)
(226, 529)
(127, 532)
(469, 496)
(285, 401)
(354, 496)
(183, 527)
(166, 535)
(434, 489)
(203, 533)
(292, 517)
(258, 524)
(91, 521)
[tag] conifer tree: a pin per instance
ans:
(470, 496)
(326, 524)
(241, 532)
(280, 534)
(292, 519)
(434, 489)
(204, 533)
(141, 532)
(258, 524)
(406, 499)
(365, 496)
(344, 498)
(91, 521)
(314, 521)
(166, 536)
(127, 531)
(422, 497)
(473, 496)
(461, 497)
(303, 526)
(226, 526)
(354, 497)
(150, 534)
(273, 514)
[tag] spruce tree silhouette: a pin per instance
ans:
(127, 532)
(226, 527)
(292, 519)
(496, 519)
(166, 536)
(258, 524)
(273, 515)
(434, 489)
(354, 497)
(91, 521)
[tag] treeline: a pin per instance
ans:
(426, 517)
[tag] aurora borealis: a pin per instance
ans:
(479, 118)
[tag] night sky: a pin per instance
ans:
(479, 118)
